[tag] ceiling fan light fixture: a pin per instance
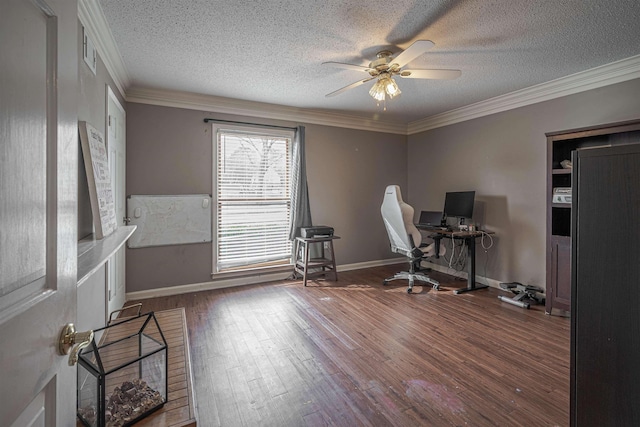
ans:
(377, 91)
(392, 88)
(385, 66)
(385, 86)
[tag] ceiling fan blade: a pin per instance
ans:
(346, 88)
(431, 74)
(347, 66)
(412, 52)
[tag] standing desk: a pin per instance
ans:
(470, 239)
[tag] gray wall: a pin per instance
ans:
(92, 108)
(92, 103)
(170, 151)
(503, 158)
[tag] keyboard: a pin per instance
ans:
(436, 227)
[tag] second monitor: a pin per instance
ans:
(459, 204)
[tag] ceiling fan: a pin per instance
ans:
(386, 66)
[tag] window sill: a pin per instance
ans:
(252, 272)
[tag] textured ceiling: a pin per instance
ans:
(271, 51)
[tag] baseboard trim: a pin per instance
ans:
(207, 286)
(273, 277)
(462, 274)
(242, 281)
(369, 264)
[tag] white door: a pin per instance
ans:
(116, 142)
(38, 209)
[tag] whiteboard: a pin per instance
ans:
(169, 220)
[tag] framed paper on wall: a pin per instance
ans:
(94, 153)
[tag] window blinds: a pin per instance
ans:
(253, 199)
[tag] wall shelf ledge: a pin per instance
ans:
(92, 253)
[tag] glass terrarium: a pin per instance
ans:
(122, 374)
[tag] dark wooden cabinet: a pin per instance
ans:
(560, 146)
(605, 286)
(560, 284)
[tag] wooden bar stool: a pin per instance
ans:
(309, 267)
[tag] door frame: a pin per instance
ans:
(112, 284)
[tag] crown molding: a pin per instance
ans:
(217, 104)
(615, 72)
(91, 16)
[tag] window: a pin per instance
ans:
(253, 188)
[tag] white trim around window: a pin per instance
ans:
(252, 196)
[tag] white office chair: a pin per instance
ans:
(405, 238)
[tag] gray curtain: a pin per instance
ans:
(300, 208)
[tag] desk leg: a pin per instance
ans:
(471, 279)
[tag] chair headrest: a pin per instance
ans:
(393, 191)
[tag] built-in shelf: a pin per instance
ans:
(92, 253)
(560, 147)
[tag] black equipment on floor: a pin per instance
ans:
(525, 295)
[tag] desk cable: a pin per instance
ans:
(453, 253)
(486, 249)
(460, 260)
(484, 233)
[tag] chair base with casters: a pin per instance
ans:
(413, 276)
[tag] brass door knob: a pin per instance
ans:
(71, 342)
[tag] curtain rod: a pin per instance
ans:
(207, 120)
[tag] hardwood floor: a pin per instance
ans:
(356, 353)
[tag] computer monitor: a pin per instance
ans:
(459, 204)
